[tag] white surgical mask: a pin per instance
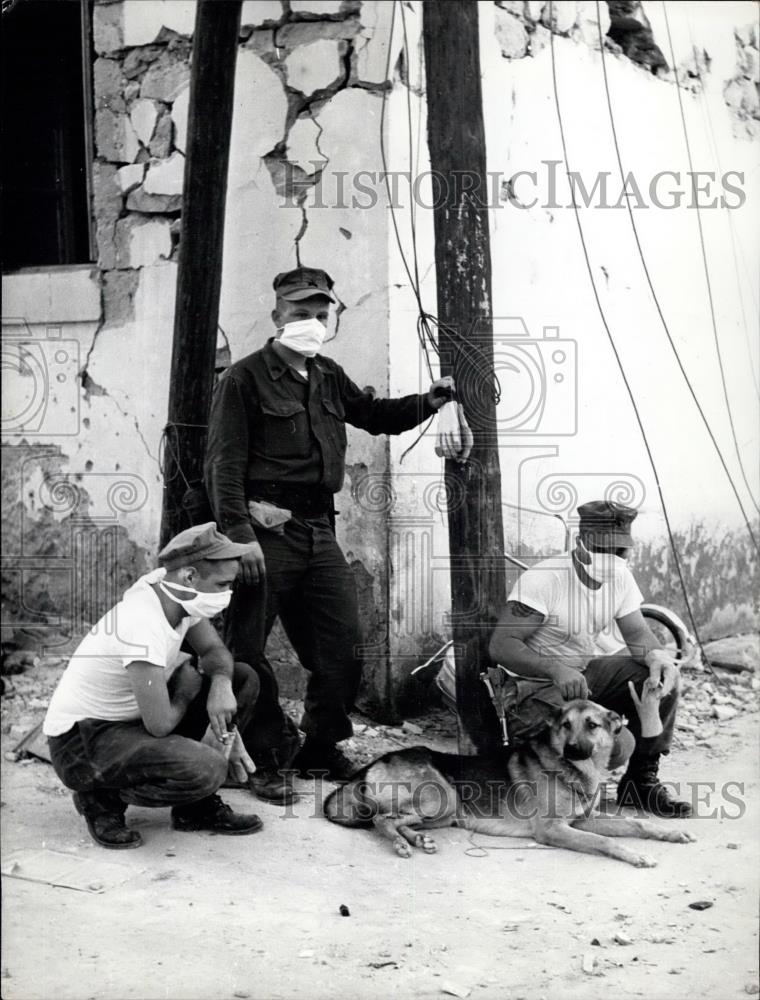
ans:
(305, 336)
(603, 565)
(202, 605)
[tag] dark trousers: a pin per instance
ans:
(311, 588)
(111, 764)
(607, 679)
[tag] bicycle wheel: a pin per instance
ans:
(667, 626)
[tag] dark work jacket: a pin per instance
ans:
(266, 424)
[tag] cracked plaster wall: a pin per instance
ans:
(309, 74)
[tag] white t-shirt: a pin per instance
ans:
(580, 623)
(96, 683)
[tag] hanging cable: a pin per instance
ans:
(412, 157)
(707, 117)
(383, 157)
(426, 321)
(169, 443)
(613, 345)
(706, 265)
(655, 298)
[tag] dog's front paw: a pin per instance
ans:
(401, 848)
(674, 836)
(427, 844)
(681, 837)
(643, 861)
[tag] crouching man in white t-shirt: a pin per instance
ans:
(573, 628)
(126, 721)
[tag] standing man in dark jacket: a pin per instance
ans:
(275, 458)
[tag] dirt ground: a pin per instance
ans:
(203, 917)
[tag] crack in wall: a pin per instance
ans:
(140, 434)
(301, 233)
(92, 388)
(82, 373)
(320, 132)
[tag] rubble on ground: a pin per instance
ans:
(710, 700)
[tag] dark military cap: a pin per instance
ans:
(303, 283)
(204, 541)
(609, 522)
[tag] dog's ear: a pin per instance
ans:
(615, 722)
(555, 712)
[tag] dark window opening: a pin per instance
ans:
(47, 147)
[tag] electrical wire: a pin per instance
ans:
(426, 321)
(169, 443)
(412, 157)
(616, 353)
(384, 159)
(706, 265)
(707, 117)
(655, 297)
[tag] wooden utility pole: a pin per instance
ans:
(199, 277)
(456, 140)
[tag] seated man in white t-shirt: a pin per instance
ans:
(125, 723)
(573, 628)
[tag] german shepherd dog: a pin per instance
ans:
(545, 788)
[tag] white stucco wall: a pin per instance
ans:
(540, 273)
(108, 435)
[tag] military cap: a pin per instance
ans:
(204, 541)
(609, 522)
(303, 283)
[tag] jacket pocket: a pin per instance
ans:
(335, 419)
(284, 428)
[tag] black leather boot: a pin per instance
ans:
(272, 782)
(316, 758)
(641, 789)
(104, 816)
(214, 815)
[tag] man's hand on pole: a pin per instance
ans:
(441, 391)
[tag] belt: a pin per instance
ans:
(303, 500)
